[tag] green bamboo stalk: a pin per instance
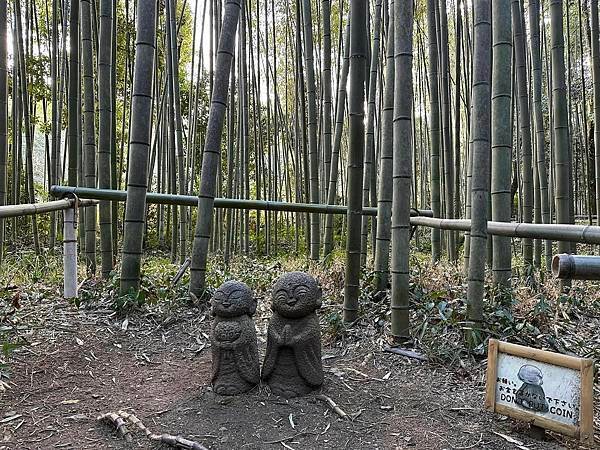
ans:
(191, 200)
(480, 132)
(536, 67)
(596, 81)
(27, 118)
(402, 167)
(356, 139)
(434, 127)
(337, 141)
(384, 203)
(54, 75)
(315, 222)
(326, 82)
(369, 155)
(3, 115)
(560, 120)
(74, 128)
(212, 148)
(173, 55)
(104, 132)
(89, 133)
(524, 123)
(501, 136)
(446, 138)
(139, 145)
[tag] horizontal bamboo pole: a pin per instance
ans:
(576, 267)
(585, 234)
(226, 203)
(30, 209)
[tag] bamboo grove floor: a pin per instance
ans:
(156, 364)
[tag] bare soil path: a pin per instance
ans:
(80, 363)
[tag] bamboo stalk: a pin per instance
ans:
(585, 234)
(576, 267)
(191, 200)
(70, 252)
(31, 209)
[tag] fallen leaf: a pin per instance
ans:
(79, 341)
(78, 417)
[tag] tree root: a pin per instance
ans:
(119, 420)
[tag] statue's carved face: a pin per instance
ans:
(233, 299)
(296, 294)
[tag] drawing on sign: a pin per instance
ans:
(519, 385)
(531, 394)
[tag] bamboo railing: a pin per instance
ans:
(576, 267)
(30, 209)
(226, 203)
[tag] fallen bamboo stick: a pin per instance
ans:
(339, 411)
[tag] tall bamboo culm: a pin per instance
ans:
(538, 117)
(313, 152)
(104, 132)
(595, 34)
(3, 115)
(337, 143)
(212, 147)
(74, 129)
(356, 143)
(402, 166)
(524, 124)
(501, 135)
(480, 133)
(139, 145)
(369, 157)
(23, 86)
(384, 202)
(434, 127)
(560, 119)
(89, 132)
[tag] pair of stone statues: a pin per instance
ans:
(292, 365)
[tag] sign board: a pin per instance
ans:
(546, 389)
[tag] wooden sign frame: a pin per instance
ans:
(585, 430)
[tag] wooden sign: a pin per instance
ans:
(546, 389)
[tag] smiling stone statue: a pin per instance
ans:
(292, 365)
(233, 341)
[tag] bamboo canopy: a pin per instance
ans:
(576, 267)
(226, 203)
(31, 209)
(585, 234)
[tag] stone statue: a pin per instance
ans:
(235, 367)
(292, 365)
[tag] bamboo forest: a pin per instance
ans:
(309, 224)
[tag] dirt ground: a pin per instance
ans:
(156, 364)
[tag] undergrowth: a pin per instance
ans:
(531, 313)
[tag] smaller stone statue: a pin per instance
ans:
(292, 365)
(235, 367)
